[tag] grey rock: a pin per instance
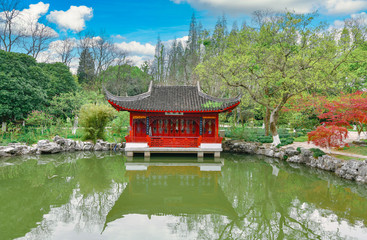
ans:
(32, 150)
(21, 150)
(79, 146)
(14, 149)
(269, 152)
(290, 151)
(279, 155)
(350, 169)
(119, 146)
(68, 145)
(6, 151)
(294, 159)
(98, 147)
(56, 138)
(328, 163)
(87, 146)
(260, 151)
(362, 173)
(59, 140)
(42, 142)
(45, 146)
(306, 155)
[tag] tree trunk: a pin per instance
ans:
(3, 126)
(273, 126)
(359, 129)
(75, 126)
(266, 121)
(238, 115)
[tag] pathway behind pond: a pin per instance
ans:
(352, 136)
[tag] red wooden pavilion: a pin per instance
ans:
(173, 119)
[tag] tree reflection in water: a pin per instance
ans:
(44, 192)
(293, 204)
(78, 196)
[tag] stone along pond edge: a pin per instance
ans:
(350, 169)
(58, 145)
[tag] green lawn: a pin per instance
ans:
(301, 139)
(355, 149)
(342, 157)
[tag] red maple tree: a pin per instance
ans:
(327, 137)
(347, 110)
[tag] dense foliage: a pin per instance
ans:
(125, 80)
(22, 86)
(60, 79)
(282, 57)
(94, 119)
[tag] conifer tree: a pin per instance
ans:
(86, 67)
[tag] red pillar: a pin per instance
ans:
(216, 126)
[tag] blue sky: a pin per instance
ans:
(135, 25)
(140, 20)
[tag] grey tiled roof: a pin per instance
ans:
(172, 99)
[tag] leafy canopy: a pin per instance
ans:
(285, 55)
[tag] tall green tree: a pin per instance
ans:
(86, 69)
(125, 80)
(22, 86)
(191, 56)
(159, 62)
(285, 56)
(60, 79)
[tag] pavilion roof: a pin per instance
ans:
(172, 99)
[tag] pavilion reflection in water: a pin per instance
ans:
(178, 189)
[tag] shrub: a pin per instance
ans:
(328, 137)
(317, 152)
(39, 118)
(94, 119)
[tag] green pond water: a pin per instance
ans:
(104, 196)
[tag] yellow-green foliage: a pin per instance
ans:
(211, 104)
(94, 119)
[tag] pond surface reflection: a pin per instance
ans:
(103, 196)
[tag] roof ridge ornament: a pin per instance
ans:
(198, 84)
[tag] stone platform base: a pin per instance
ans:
(206, 148)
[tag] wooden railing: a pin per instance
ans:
(185, 142)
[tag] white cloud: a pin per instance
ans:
(345, 6)
(35, 11)
(300, 6)
(52, 54)
(73, 19)
(118, 36)
(27, 20)
(136, 48)
(138, 60)
(362, 17)
(183, 41)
